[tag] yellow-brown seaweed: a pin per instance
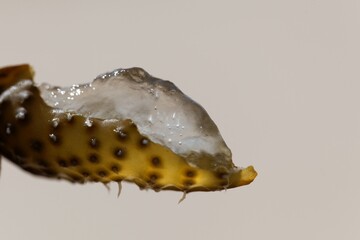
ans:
(54, 143)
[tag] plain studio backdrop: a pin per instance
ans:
(280, 78)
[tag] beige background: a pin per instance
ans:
(280, 78)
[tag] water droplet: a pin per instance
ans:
(62, 92)
(74, 87)
(53, 137)
(78, 92)
(180, 142)
(169, 140)
(88, 122)
(120, 132)
(105, 75)
(94, 142)
(69, 116)
(144, 142)
(8, 129)
(21, 113)
(55, 122)
(174, 114)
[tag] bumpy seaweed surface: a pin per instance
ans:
(125, 125)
